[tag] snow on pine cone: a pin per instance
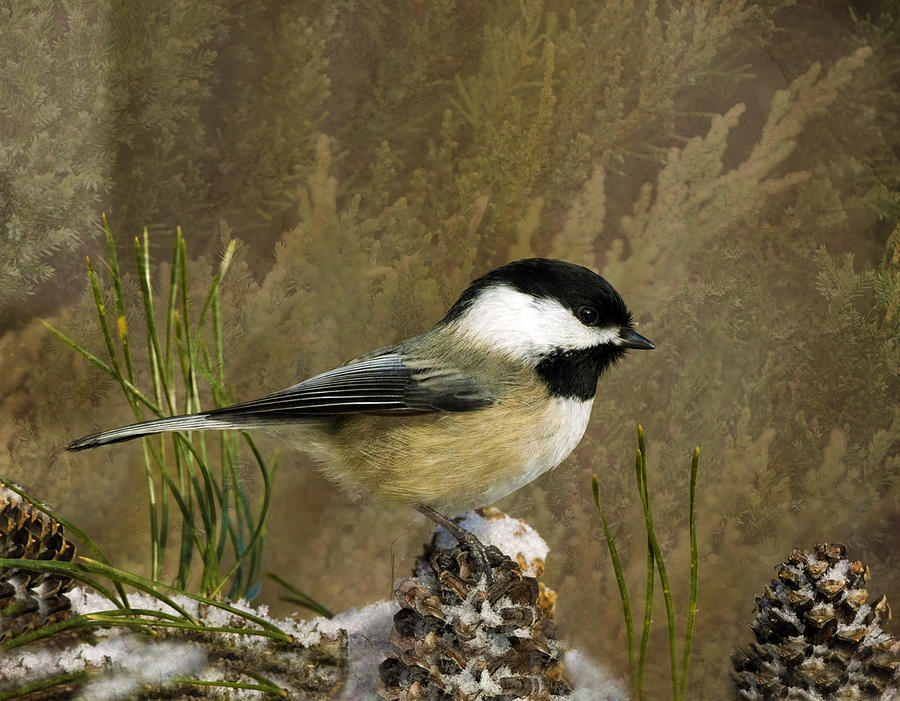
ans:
(30, 600)
(817, 637)
(458, 637)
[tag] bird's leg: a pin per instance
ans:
(480, 552)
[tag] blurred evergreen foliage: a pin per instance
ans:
(730, 166)
(160, 81)
(54, 167)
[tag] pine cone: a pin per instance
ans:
(30, 600)
(459, 638)
(816, 635)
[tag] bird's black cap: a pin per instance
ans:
(573, 286)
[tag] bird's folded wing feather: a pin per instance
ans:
(379, 383)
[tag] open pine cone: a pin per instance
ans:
(816, 635)
(458, 637)
(30, 600)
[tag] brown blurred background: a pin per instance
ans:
(731, 167)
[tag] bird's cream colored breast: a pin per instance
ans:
(455, 461)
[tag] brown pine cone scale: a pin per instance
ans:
(459, 638)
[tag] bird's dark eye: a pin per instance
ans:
(587, 315)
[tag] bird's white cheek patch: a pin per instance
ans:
(505, 319)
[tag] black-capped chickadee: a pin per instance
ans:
(495, 394)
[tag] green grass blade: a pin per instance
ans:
(171, 318)
(104, 324)
(268, 688)
(230, 481)
(77, 348)
(147, 586)
(660, 564)
(27, 690)
(189, 361)
(191, 390)
(142, 258)
(71, 623)
(244, 516)
(300, 598)
(692, 600)
(158, 511)
(620, 580)
(118, 620)
(149, 613)
(112, 371)
(156, 536)
(260, 522)
(154, 589)
(649, 586)
(118, 299)
(213, 293)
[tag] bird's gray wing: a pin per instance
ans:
(383, 382)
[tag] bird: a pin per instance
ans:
(496, 393)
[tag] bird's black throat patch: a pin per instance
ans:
(574, 373)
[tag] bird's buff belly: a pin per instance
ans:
(454, 462)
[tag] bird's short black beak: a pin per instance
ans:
(632, 339)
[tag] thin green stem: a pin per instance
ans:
(26, 690)
(112, 371)
(301, 598)
(158, 377)
(156, 527)
(117, 620)
(205, 493)
(649, 586)
(260, 522)
(158, 515)
(656, 563)
(104, 324)
(71, 623)
(269, 688)
(118, 300)
(171, 317)
(660, 564)
(620, 580)
(82, 351)
(148, 586)
(154, 589)
(214, 507)
(692, 600)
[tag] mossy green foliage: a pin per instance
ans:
(729, 166)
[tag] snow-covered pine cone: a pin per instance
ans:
(30, 600)
(458, 637)
(817, 637)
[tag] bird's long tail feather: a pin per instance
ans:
(190, 422)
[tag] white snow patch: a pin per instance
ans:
(838, 570)
(489, 615)
(488, 685)
(139, 662)
(367, 629)
(133, 660)
(591, 682)
(511, 535)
